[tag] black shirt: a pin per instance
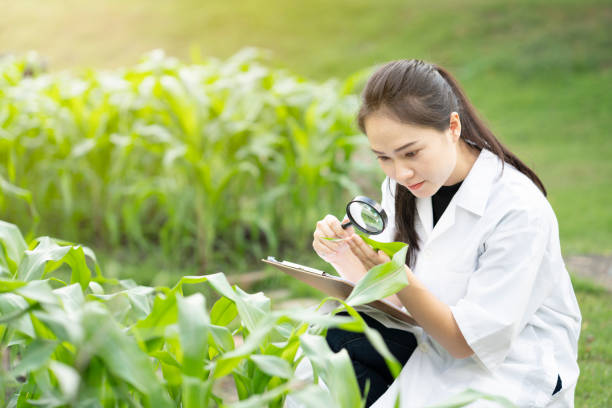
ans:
(440, 200)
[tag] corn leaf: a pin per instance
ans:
(389, 248)
(469, 396)
(381, 281)
(335, 369)
(272, 365)
(193, 333)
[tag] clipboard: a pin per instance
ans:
(334, 286)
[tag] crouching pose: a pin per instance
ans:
(494, 304)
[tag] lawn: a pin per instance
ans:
(595, 346)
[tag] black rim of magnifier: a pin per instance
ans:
(374, 205)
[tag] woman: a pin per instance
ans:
(488, 287)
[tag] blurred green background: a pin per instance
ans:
(540, 72)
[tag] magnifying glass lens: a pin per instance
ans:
(366, 215)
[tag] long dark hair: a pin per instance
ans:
(420, 93)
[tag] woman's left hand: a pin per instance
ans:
(366, 254)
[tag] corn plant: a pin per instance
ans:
(70, 337)
(186, 158)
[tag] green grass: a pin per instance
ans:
(595, 346)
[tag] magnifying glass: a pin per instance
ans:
(366, 215)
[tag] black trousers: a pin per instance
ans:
(367, 363)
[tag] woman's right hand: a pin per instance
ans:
(336, 247)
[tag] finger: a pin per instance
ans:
(323, 231)
(369, 254)
(321, 249)
(328, 245)
(365, 248)
(331, 245)
(383, 257)
(325, 253)
(359, 251)
(326, 228)
(335, 225)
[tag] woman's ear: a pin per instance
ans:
(455, 126)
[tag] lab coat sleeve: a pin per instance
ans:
(507, 287)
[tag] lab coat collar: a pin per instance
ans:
(471, 196)
(476, 188)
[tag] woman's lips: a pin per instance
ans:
(416, 186)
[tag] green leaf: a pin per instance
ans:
(166, 358)
(35, 356)
(120, 353)
(223, 312)
(10, 285)
(377, 341)
(220, 337)
(389, 248)
(67, 377)
(33, 265)
(256, 338)
(313, 396)
(195, 392)
(139, 298)
(381, 281)
(252, 308)
(359, 325)
(193, 333)
(59, 322)
(263, 400)
(39, 291)
(469, 396)
(71, 297)
(322, 320)
(163, 313)
(12, 244)
(13, 310)
(272, 365)
(335, 369)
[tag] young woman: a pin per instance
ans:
(488, 287)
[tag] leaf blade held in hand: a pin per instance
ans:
(381, 281)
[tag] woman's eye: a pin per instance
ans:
(381, 158)
(411, 154)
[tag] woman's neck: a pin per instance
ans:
(466, 157)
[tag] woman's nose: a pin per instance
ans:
(403, 172)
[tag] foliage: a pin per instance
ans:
(389, 248)
(78, 343)
(193, 159)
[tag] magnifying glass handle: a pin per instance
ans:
(348, 224)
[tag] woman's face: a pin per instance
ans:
(422, 159)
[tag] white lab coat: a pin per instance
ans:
(494, 257)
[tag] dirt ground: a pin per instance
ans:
(597, 268)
